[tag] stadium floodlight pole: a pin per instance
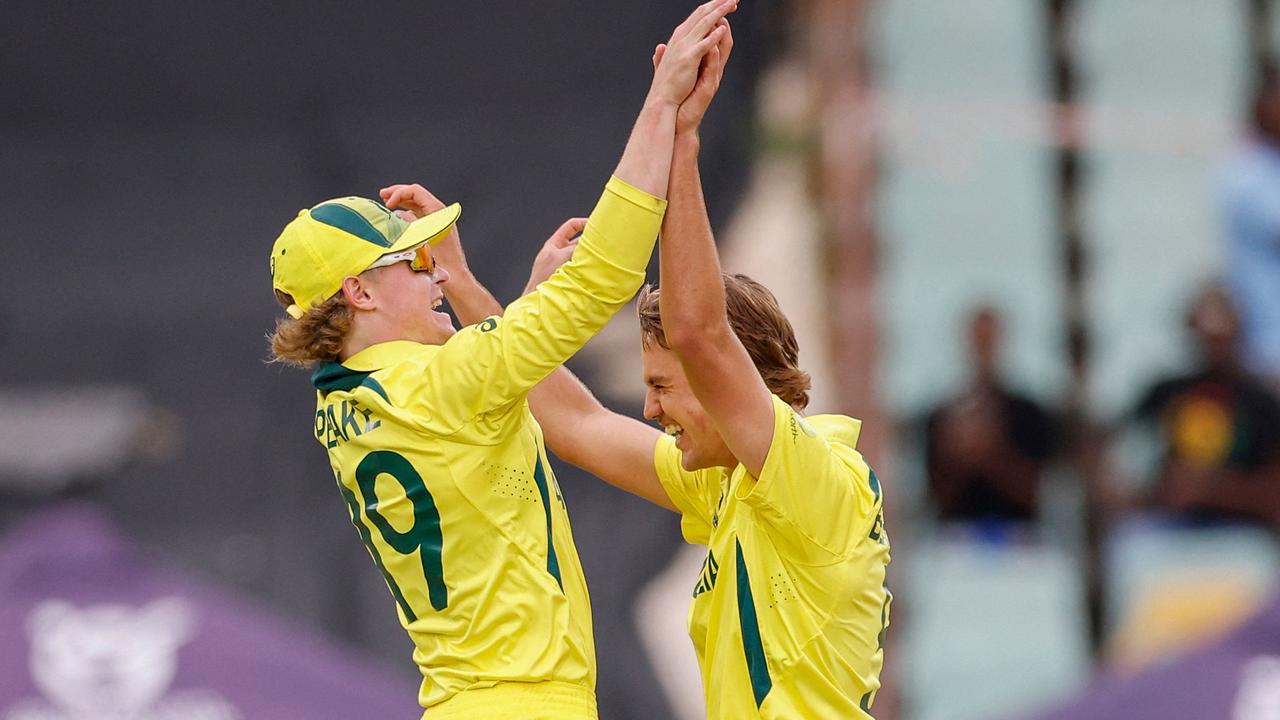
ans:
(845, 172)
(1259, 31)
(1082, 436)
(836, 41)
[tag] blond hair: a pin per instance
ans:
(315, 337)
(761, 327)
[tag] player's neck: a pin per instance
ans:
(369, 330)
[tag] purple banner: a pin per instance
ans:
(91, 628)
(1237, 678)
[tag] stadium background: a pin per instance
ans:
(150, 153)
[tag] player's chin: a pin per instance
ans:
(443, 321)
(437, 329)
(689, 459)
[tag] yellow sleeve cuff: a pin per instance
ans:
(622, 230)
(635, 195)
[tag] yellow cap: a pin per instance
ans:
(343, 237)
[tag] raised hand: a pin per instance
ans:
(411, 197)
(691, 41)
(556, 251)
(694, 108)
(418, 202)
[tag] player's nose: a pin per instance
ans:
(652, 408)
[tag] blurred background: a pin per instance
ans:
(1033, 244)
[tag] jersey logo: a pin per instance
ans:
(798, 424)
(877, 530)
(707, 578)
(715, 516)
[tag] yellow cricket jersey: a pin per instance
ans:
(789, 613)
(446, 480)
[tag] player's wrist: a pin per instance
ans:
(657, 105)
(688, 139)
(460, 280)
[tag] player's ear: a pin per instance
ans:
(356, 291)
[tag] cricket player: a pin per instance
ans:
(789, 613)
(428, 430)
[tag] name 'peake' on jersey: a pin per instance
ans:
(445, 477)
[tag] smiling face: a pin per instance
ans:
(407, 301)
(670, 401)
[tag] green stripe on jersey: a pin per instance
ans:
(757, 665)
(553, 565)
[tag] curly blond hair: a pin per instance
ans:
(315, 337)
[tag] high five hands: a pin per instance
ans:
(688, 66)
(710, 71)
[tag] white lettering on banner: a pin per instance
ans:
(1258, 697)
(112, 661)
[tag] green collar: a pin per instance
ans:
(330, 376)
(356, 371)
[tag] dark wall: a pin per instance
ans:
(149, 154)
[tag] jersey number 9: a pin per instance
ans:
(423, 537)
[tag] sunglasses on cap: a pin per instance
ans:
(418, 257)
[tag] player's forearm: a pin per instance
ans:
(561, 404)
(543, 329)
(565, 409)
(470, 300)
(584, 433)
(646, 160)
(692, 290)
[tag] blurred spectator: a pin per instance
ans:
(1218, 427)
(987, 446)
(1251, 205)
